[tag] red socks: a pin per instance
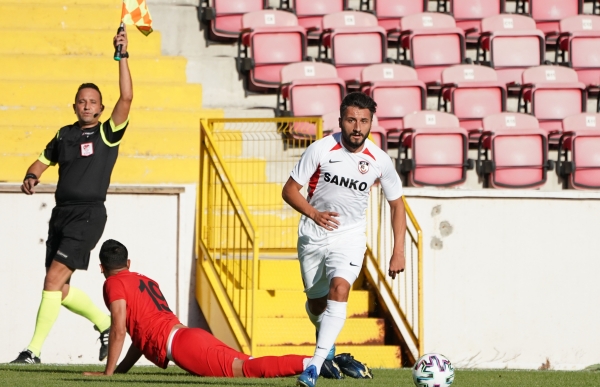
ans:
(273, 366)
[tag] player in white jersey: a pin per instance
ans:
(340, 170)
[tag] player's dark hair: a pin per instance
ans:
(113, 255)
(88, 86)
(359, 100)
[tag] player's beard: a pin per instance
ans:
(351, 144)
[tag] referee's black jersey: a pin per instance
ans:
(85, 161)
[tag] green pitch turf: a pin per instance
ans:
(71, 376)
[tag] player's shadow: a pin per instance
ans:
(194, 380)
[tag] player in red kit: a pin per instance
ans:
(139, 308)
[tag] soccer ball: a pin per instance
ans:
(433, 370)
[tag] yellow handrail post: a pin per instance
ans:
(255, 278)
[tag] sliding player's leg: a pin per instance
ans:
(200, 353)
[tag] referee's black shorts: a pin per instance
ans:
(73, 232)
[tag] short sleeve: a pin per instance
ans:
(113, 291)
(113, 134)
(49, 156)
(390, 181)
(307, 166)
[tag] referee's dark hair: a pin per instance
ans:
(360, 100)
(88, 86)
(113, 255)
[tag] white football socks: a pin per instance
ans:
(333, 321)
(316, 320)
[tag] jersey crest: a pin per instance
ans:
(363, 167)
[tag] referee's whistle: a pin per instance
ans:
(117, 55)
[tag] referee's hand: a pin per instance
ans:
(28, 187)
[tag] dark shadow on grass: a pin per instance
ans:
(34, 369)
(196, 381)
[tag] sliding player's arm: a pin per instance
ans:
(116, 339)
(132, 356)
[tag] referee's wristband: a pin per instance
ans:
(30, 176)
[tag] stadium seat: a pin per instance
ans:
(270, 40)
(513, 152)
(350, 41)
(434, 43)
(310, 12)
(552, 93)
(579, 37)
(469, 13)
(389, 12)
(397, 92)
(438, 150)
(222, 19)
(510, 44)
(312, 89)
(580, 141)
(473, 92)
(548, 13)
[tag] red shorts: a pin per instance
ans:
(200, 353)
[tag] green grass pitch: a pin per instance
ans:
(71, 376)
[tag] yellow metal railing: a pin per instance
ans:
(403, 296)
(243, 166)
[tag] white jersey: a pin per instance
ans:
(340, 181)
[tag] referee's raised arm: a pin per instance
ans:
(121, 111)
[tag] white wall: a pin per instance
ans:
(155, 223)
(516, 281)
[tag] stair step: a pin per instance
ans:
(31, 118)
(108, 3)
(300, 331)
(79, 69)
(62, 94)
(59, 16)
(375, 356)
(290, 304)
(76, 42)
(272, 275)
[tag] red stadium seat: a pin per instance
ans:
(469, 13)
(513, 44)
(434, 43)
(312, 89)
(513, 152)
(223, 20)
(397, 92)
(547, 13)
(270, 40)
(389, 12)
(438, 150)
(310, 12)
(579, 36)
(552, 93)
(351, 41)
(580, 141)
(473, 92)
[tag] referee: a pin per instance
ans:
(85, 152)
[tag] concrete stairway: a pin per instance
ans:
(283, 326)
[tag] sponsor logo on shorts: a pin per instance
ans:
(345, 182)
(353, 264)
(65, 256)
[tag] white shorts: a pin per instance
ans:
(339, 256)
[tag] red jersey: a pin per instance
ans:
(149, 319)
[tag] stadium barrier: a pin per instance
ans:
(241, 216)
